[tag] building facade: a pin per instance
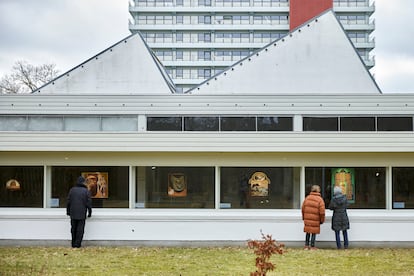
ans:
(233, 157)
(196, 39)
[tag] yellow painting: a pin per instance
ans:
(259, 184)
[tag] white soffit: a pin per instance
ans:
(317, 57)
(128, 67)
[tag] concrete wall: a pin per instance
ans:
(214, 227)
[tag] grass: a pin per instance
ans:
(199, 261)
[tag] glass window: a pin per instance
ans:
(118, 123)
(13, 123)
(320, 124)
(365, 187)
(179, 36)
(200, 55)
(403, 188)
(168, 19)
(274, 123)
(204, 2)
(201, 37)
(395, 123)
(179, 72)
(108, 185)
(82, 123)
(238, 124)
(201, 123)
(164, 123)
(357, 123)
(21, 186)
(207, 19)
(179, 19)
(45, 123)
(259, 187)
(175, 187)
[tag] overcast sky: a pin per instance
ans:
(68, 32)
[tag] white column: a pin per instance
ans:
(217, 187)
(297, 123)
(142, 123)
(388, 188)
(132, 185)
(302, 185)
(47, 184)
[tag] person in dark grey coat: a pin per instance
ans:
(340, 221)
(79, 203)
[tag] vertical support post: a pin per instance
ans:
(132, 187)
(217, 187)
(302, 185)
(47, 186)
(388, 188)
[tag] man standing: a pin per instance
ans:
(79, 202)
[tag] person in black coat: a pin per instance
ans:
(79, 203)
(340, 221)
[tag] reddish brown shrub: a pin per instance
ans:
(264, 249)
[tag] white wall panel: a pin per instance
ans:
(205, 225)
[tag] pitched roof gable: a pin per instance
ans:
(127, 67)
(317, 57)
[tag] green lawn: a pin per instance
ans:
(199, 261)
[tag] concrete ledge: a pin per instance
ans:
(109, 243)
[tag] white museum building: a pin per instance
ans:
(218, 164)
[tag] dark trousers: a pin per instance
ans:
(310, 238)
(338, 239)
(77, 230)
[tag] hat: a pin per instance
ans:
(337, 190)
(80, 181)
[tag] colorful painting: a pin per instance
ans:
(345, 179)
(177, 185)
(97, 183)
(259, 184)
(13, 185)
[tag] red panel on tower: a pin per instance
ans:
(304, 10)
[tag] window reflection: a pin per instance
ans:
(274, 123)
(21, 186)
(357, 123)
(259, 187)
(64, 178)
(369, 185)
(201, 123)
(164, 123)
(320, 124)
(403, 188)
(395, 123)
(175, 187)
(238, 124)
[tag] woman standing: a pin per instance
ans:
(340, 221)
(313, 215)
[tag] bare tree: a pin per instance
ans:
(25, 77)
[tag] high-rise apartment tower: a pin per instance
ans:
(196, 39)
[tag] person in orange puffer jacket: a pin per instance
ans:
(313, 215)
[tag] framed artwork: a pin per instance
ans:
(13, 185)
(97, 183)
(345, 179)
(259, 184)
(177, 185)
